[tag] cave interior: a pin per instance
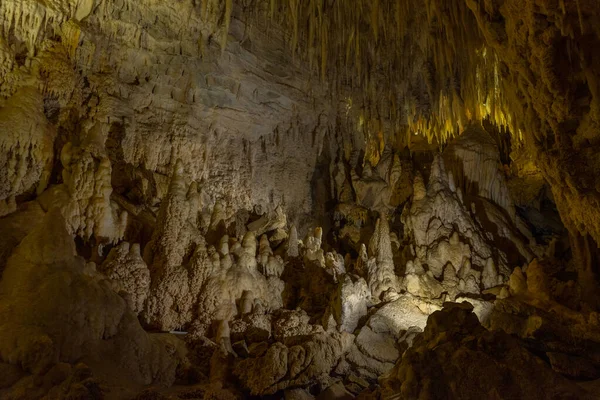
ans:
(299, 199)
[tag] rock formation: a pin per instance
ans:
(299, 199)
(455, 349)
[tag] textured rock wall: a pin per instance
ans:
(550, 73)
(152, 82)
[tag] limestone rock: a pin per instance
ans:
(451, 251)
(225, 288)
(84, 197)
(424, 285)
(175, 279)
(14, 227)
(435, 219)
(26, 147)
(419, 190)
(312, 248)
(380, 346)
(129, 273)
(269, 222)
(455, 348)
(365, 365)
(537, 281)
(401, 315)
(293, 323)
(72, 315)
(197, 127)
(335, 392)
(292, 244)
(381, 274)
(478, 160)
(300, 362)
(483, 309)
(517, 282)
(573, 366)
(253, 328)
(297, 394)
(349, 304)
(489, 276)
(371, 190)
(278, 237)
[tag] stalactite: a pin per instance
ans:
(579, 16)
(324, 43)
(227, 20)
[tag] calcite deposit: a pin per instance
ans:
(372, 199)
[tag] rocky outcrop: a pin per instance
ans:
(457, 358)
(70, 313)
(301, 358)
(540, 303)
(446, 233)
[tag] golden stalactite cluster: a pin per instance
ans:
(377, 51)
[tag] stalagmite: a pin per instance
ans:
(264, 251)
(129, 273)
(292, 243)
(419, 190)
(381, 276)
(313, 251)
(490, 276)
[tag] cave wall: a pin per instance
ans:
(550, 73)
(247, 98)
(149, 83)
(550, 70)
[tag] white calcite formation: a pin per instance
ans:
(377, 188)
(292, 243)
(299, 362)
(227, 289)
(476, 159)
(313, 253)
(84, 197)
(205, 270)
(129, 274)
(176, 277)
(195, 91)
(380, 266)
(349, 304)
(446, 234)
(271, 221)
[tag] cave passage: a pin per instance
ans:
(299, 199)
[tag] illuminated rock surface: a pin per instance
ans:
(223, 199)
